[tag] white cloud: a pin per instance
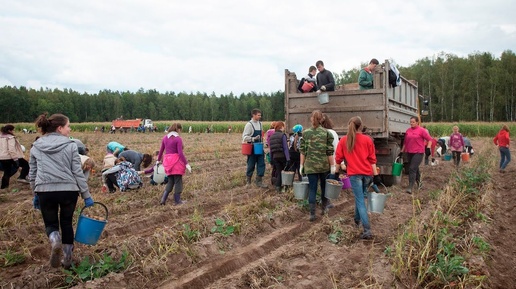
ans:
(225, 46)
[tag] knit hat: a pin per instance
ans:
(297, 128)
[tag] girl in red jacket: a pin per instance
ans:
(502, 140)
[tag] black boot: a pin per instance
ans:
(312, 212)
(324, 206)
(164, 198)
(248, 181)
(259, 182)
(177, 199)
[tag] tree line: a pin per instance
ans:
(479, 87)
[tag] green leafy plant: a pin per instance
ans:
(481, 244)
(190, 234)
(89, 270)
(222, 228)
(10, 258)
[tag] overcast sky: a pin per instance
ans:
(231, 46)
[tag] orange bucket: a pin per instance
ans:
(465, 157)
(247, 149)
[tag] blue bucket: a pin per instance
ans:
(258, 148)
(88, 229)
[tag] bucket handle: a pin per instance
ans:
(396, 160)
(105, 208)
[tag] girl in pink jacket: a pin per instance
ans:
(175, 163)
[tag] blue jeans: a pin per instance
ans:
(258, 161)
(359, 184)
(505, 157)
(313, 179)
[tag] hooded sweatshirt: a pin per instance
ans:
(502, 139)
(55, 165)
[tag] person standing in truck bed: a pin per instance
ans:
(365, 78)
(325, 80)
(308, 83)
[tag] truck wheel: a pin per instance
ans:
(390, 180)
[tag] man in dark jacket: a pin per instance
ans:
(325, 80)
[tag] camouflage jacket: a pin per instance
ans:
(316, 145)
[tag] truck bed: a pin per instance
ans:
(384, 110)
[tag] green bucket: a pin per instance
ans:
(397, 167)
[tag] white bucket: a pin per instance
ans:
(323, 98)
(159, 174)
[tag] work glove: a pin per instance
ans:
(256, 138)
(287, 165)
(343, 166)
(323, 88)
(189, 168)
(333, 169)
(427, 152)
(88, 202)
(301, 170)
(35, 202)
(318, 91)
(377, 180)
(158, 163)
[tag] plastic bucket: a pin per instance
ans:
(397, 167)
(346, 183)
(323, 98)
(465, 157)
(159, 174)
(376, 202)
(247, 149)
(258, 148)
(300, 190)
(287, 178)
(88, 229)
(447, 157)
(332, 189)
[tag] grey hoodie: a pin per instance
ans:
(55, 165)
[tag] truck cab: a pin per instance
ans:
(385, 112)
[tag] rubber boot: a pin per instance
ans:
(55, 254)
(324, 206)
(67, 255)
(248, 181)
(312, 212)
(164, 198)
(259, 182)
(177, 199)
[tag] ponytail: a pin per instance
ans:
(354, 125)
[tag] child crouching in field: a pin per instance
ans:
(122, 175)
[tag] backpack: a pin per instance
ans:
(128, 178)
(393, 78)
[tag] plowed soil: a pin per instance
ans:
(273, 244)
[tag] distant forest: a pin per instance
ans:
(479, 87)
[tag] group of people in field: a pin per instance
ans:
(59, 168)
(317, 153)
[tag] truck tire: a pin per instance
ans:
(390, 180)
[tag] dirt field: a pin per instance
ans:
(273, 244)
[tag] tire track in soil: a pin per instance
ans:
(265, 247)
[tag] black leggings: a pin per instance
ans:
(57, 209)
(8, 166)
